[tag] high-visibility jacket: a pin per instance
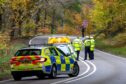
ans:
(87, 43)
(92, 47)
(77, 44)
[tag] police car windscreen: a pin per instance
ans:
(64, 48)
(27, 52)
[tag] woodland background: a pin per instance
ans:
(23, 19)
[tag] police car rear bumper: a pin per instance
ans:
(27, 73)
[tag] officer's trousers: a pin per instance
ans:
(92, 55)
(78, 53)
(87, 52)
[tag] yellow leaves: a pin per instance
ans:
(19, 3)
(120, 39)
(29, 25)
(78, 19)
(2, 1)
(68, 30)
(4, 39)
(43, 31)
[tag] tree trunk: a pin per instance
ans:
(0, 21)
(20, 28)
(37, 21)
(53, 22)
(45, 17)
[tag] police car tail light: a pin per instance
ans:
(38, 57)
(14, 61)
(42, 60)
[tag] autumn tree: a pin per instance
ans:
(109, 16)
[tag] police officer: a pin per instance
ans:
(92, 47)
(87, 44)
(77, 44)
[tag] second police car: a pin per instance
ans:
(63, 43)
(41, 61)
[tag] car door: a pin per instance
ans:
(55, 57)
(48, 63)
(65, 61)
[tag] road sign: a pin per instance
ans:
(85, 23)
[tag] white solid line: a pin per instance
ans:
(88, 68)
(87, 74)
(6, 80)
(30, 41)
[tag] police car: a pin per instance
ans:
(41, 61)
(63, 43)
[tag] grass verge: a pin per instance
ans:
(5, 55)
(120, 51)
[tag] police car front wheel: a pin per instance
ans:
(75, 70)
(53, 72)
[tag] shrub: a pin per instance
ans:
(120, 40)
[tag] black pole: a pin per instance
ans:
(83, 29)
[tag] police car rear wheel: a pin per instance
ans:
(53, 72)
(75, 71)
(41, 76)
(16, 77)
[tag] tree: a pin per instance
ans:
(109, 16)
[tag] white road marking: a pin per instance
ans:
(6, 80)
(94, 70)
(88, 68)
(30, 41)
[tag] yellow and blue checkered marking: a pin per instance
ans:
(65, 65)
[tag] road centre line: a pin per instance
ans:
(88, 68)
(86, 75)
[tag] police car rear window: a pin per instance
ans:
(27, 52)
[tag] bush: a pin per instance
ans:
(4, 39)
(44, 30)
(120, 40)
(5, 54)
(68, 30)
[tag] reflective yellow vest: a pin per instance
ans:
(77, 44)
(92, 45)
(87, 43)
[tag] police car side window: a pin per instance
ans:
(61, 52)
(47, 52)
(64, 48)
(53, 51)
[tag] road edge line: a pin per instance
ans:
(86, 75)
(88, 68)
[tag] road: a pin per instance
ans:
(105, 69)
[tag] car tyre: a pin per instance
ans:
(75, 70)
(16, 77)
(41, 76)
(53, 72)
